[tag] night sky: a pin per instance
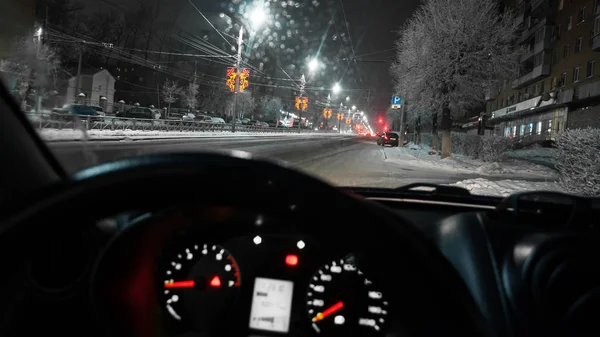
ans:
(373, 27)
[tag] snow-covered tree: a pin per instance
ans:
(189, 96)
(170, 93)
(214, 100)
(270, 107)
(245, 103)
(33, 65)
(449, 53)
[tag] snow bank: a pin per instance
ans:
(578, 161)
(504, 188)
(69, 134)
(418, 156)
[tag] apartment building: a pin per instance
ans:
(558, 85)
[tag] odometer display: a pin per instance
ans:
(341, 300)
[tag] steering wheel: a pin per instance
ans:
(431, 298)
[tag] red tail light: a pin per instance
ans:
(385, 137)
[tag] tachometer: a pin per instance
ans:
(343, 301)
(200, 281)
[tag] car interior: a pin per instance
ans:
(146, 246)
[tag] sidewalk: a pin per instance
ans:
(418, 156)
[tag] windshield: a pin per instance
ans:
(378, 95)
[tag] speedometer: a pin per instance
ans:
(341, 300)
(200, 281)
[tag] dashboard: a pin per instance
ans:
(291, 283)
(214, 271)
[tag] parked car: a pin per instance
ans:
(99, 109)
(139, 112)
(188, 117)
(214, 120)
(389, 138)
(78, 109)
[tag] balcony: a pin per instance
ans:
(596, 42)
(537, 73)
(529, 31)
(545, 44)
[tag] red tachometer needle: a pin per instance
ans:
(339, 305)
(180, 284)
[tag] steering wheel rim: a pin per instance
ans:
(142, 176)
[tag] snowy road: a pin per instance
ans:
(342, 160)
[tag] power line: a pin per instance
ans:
(210, 23)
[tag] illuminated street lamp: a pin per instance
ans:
(313, 65)
(336, 88)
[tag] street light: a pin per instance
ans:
(336, 88)
(354, 107)
(313, 65)
(347, 98)
(257, 16)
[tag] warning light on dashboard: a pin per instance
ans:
(215, 282)
(291, 260)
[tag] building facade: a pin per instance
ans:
(558, 85)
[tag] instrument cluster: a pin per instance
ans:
(268, 285)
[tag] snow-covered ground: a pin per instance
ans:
(418, 156)
(505, 187)
(70, 134)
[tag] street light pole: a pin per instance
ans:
(302, 84)
(237, 79)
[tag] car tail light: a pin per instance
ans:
(385, 138)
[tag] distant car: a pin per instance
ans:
(78, 109)
(98, 109)
(388, 138)
(146, 113)
(214, 120)
(188, 116)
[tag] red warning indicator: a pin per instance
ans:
(291, 260)
(215, 282)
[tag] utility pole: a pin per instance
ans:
(158, 95)
(302, 84)
(78, 82)
(237, 78)
(340, 119)
(328, 104)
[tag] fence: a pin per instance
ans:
(68, 121)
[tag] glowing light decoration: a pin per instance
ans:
(348, 120)
(340, 116)
(327, 113)
(301, 103)
(244, 79)
(231, 75)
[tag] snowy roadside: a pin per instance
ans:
(70, 135)
(418, 156)
(504, 188)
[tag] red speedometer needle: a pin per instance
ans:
(339, 305)
(180, 284)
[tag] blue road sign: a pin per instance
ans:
(396, 99)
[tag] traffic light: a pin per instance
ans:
(380, 120)
(385, 128)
